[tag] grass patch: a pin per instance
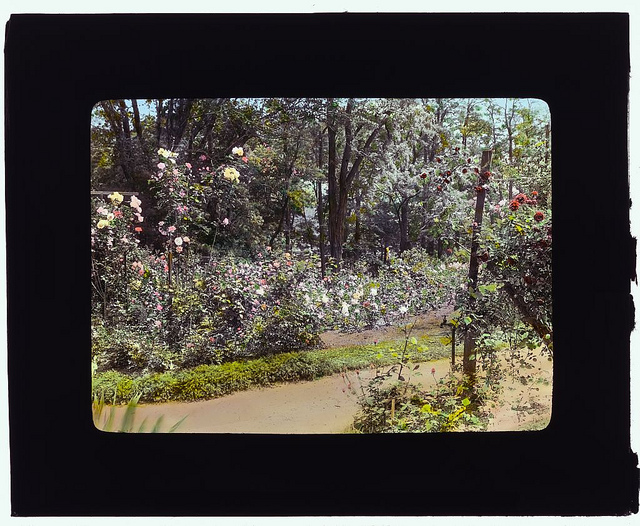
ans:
(212, 381)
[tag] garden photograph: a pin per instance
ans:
(321, 265)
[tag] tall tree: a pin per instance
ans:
(359, 131)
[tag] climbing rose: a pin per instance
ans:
(538, 216)
(188, 165)
(116, 198)
(237, 151)
(521, 198)
(178, 241)
(102, 223)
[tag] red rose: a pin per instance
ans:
(469, 160)
(464, 170)
(514, 205)
(448, 172)
(423, 175)
(440, 188)
(479, 189)
(534, 193)
(538, 216)
(521, 198)
(438, 160)
(486, 175)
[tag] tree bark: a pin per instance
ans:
(469, 358)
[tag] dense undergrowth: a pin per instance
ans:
(212, 381)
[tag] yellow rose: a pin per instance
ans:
(232, 175)
(102, 223)
(116, 198)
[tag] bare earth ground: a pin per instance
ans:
(325, 405)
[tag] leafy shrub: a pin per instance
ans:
(401, 407)
(288, 328)
(128, 350)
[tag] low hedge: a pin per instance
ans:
(212, 381)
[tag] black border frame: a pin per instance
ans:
(58, 66)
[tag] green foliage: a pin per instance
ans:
(211, 381)
(129, 350)
(286, 328)
(402, 407)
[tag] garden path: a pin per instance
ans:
(325, 405)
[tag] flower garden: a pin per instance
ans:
(201, 289)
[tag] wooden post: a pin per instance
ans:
(469, 358)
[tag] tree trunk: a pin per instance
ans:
(341, 182)
(358, 227)
(281, 223)
(404, 225)
(137, 125)
(469, 358)
(159, 114)
(321, 233)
